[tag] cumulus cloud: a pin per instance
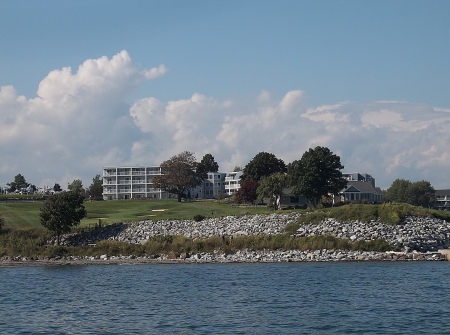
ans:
(77, 122)
(80, 121)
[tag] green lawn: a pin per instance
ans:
(19, 214)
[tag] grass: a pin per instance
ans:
(25, 214)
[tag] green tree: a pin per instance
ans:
(237, 168)
(76, 186)
(419, 193)
(262, 165)
(18, 184)
(207, 164)
(61, 212)
(316, 174)
(179, 175)
(57, 188)
(423, 193)
(399, 191)
(96, 189)
(272, 186)
(247, 192)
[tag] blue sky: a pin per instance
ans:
(370, 80)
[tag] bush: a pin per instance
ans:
(198, 218)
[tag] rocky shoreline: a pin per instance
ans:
(417, 238)
(244, 256)
(419, 234)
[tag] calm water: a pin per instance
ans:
(288, 298)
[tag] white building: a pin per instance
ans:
(232, 184)
(132, 182)
(135, 182)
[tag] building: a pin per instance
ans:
(442, 199)
(232, 182)
(135, 182)
(361, 191)
(132, 182)
(356, 176)
(214, 185)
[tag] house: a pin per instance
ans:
(357, 191)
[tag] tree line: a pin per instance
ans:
(316, 174)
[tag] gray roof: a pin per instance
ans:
(361, 186)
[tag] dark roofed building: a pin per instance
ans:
(360, 191)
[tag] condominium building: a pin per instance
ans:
(135, 182)
(132, 182)
(232, 184)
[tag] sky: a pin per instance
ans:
(86, 84)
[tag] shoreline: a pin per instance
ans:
(246, 256)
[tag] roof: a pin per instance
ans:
(362, 187)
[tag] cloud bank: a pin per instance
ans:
(80, 121)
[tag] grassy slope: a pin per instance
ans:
(26, 214)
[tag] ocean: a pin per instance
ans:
(270, 298)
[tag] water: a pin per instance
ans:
(288, 298)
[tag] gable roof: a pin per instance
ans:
(361, 186)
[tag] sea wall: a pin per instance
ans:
(415, 234)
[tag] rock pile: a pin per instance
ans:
(416, 233)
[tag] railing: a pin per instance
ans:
(121, 182)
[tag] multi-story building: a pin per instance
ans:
(232, 184)
(360, 187)
(132, 182)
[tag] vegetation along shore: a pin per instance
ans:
(167, 231)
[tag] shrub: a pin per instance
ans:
(198, 217)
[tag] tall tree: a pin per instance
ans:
(207, 164)
(263, 164)
(247, 192)
(57, 188)
(95, 191)
(61, 212)
(316, 174)
(272, 186)
(179, 174)
(76, 186)
(18, 184)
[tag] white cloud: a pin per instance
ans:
(80, 121)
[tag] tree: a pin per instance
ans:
(263, 164)
(96, 189)
(57, 188)
(272, 186)
(316, 174)
(76, 186)
(399, 191)
(419, 193)
(247, 192)
(207, 164)
(179, 174)
(423, 193)
(18, 184)
(61, 212)
(237, 168)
